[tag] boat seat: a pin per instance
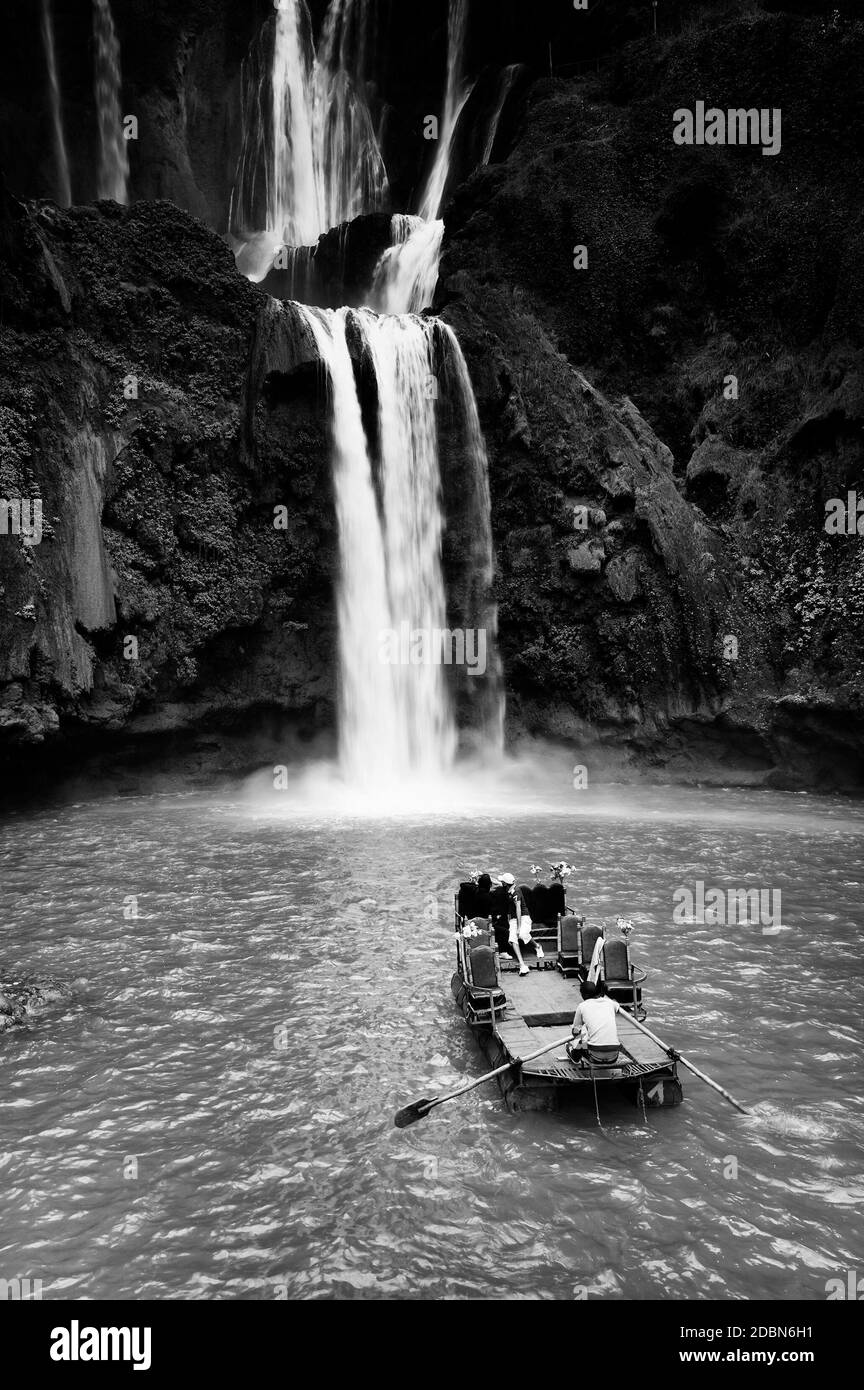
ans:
(602, 1056)
(482, 978)
(619, 974)
(590, 937)
(595, 1056)
(615, 963)
(556, 903)
(570, 934)
(483, 967)
(533, 900)
(545, 902)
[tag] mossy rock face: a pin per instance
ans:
(699, 381)
(164, 426)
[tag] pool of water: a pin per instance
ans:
(251, 997)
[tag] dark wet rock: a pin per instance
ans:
(339, 270)
(715, 473)
(622, 576)
(586, 558)
(21, 1002)
(160, 430)
(653, 386)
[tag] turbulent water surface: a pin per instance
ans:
(210, 1115)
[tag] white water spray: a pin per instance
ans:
(406, 276)
(113, 153)
(61, 157)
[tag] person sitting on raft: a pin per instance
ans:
(507, 919)
(594, 1025)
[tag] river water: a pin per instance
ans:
(209, 1114)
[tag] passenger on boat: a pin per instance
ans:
(594, 1032)
(507, 919)
(483, 897)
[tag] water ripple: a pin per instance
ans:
(209, 1111)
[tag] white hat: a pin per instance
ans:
(508, 879)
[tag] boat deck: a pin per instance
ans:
(540, 1008)
(639, 1055)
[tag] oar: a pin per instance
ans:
(689, 1065)
(420, 1109)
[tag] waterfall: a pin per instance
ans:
(295, 207)
(65, 188)
(113, 152)
(508, 77)
(404, 356)
(368, 715)
(344, 36)
(407, 274)
(313, 163)
(313, 160)
(300, 273)
(396, 716)
(395, 720)
(480, 608)
(458, 92)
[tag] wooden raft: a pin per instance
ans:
(540, 1010)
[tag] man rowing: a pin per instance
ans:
(595, 1034)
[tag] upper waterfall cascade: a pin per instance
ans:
(508, 80)
(311, 156)
(406, 277)
(407, 274)
(64, 186)
(313, 161)
(113, 152)
(457, 94)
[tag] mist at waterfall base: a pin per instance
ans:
(209, 1112)
(477, 784)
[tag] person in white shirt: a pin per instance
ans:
(594, 1024)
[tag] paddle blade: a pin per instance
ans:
(412, 1113)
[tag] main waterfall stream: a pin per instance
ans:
(396, 718)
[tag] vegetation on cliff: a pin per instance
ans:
(724, 296)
